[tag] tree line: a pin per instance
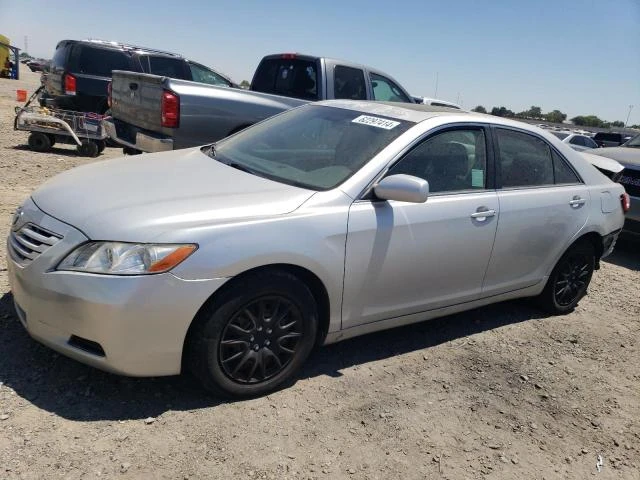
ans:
(554, 116)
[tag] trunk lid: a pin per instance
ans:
(136, 98)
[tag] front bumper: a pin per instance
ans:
(139, 323)
(133, 137)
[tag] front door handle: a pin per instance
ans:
(577, 201)
(482, 213)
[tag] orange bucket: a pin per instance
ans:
(21, 95)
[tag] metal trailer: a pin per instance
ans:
(49, 125)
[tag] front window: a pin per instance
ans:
(313, 147)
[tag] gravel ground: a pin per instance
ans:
(497, 392)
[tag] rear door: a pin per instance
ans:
(53, 79)
(92, 66)
(543, 204)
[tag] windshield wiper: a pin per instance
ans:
(212, 150)
(242, 168)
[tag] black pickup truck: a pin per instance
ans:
(81, 70)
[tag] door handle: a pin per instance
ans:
(577, 201)
(481, 214)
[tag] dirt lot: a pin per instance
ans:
(498, 392)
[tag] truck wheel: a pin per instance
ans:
(88, 149)
(40, 142)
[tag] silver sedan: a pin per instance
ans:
(328, 221)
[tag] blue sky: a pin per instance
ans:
(580, 56)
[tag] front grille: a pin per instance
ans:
(630, 180)
(29, 241)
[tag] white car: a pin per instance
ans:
(576, 141)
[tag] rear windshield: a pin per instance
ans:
(561, 136)
(314, 147)
(97, 61)
(613, 137)
(289, 77)
(165, 66)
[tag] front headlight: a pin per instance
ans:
(118, 258)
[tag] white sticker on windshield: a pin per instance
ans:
(376, 122)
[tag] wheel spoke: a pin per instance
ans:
(234, 343)
(256, 361)
(233, 357)
(239, 330)
(242, 362)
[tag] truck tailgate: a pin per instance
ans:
(136, 98)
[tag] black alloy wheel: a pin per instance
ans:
(253, 335)
(260, 340)
(569, 279)
(572, 279)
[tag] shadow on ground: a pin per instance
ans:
(66, 150)
(78, 392)
(626, 254)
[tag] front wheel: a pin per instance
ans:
(40, 142)
(254, 336)
(569, 279)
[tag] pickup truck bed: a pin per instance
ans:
(154, 113)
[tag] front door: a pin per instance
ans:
(404, 258)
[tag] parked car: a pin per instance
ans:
(325, 222)
(37, 65)
(436, 102)
(576, 141)
(610, 139)
(628, 155)
(81, 70)
(152, 113)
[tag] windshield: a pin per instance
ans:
(634, 142)
(560, 135)
(315, 147)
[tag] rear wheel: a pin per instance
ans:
(570, 279)
(88, 148)
(101, 145)
(254, 336)
(40, 142)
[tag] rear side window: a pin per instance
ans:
(349, 83)
(98, 61)
(59, 57)
(525, 160)
(562, 172)
(289, 77)
(387, 91)
(165, 66)
(528, 161)
(203, 74)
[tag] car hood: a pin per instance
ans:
(624, 155)
(148, 197)
(602, 162)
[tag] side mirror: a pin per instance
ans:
(403, 188)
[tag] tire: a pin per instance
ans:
(88, 149)
(40, 142)
(52, 139)
(101, 146)
(239, 345)
(569, 279)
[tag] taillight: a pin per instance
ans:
(289, 56)
(69, 84)
(109, 94)
(170, 109)
(625, 201)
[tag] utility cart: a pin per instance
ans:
(49, 125)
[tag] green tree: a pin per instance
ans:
(617, 123)
(24, 55)
(245, 84)
(479, 109)
(587, 121)
(555, 116)
(502, 112)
